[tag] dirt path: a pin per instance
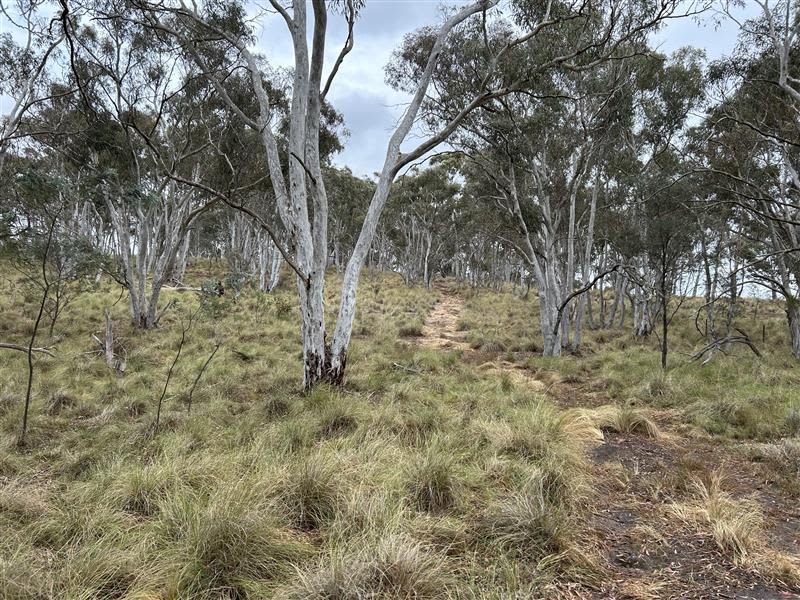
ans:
(441, 326)
(648, 552)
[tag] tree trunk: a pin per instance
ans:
(642, 314)
(664, 316)
(793, 317)
(587, 261)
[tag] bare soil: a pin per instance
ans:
(646, 550)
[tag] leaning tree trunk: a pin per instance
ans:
(179, 271)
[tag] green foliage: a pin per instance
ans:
(262, 491)
(426, 474)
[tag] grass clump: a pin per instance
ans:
(228, 545)
(738, 418)
(540, 433)
(432, 485)
(734, 524)
(532, 520)
(336, 419)
(624, 419)
(312, 493)
(410, 329)
(395, 567)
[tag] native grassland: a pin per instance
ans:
(428, 475)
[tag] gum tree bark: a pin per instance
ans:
(307, 230)
(298, 185)
(585, 269)
(148, 257)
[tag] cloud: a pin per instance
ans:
(371, 108)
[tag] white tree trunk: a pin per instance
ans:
(585, 271)
(793, 318)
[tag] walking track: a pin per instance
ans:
(647, 551)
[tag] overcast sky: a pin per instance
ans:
(371, 108)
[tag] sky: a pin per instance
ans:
(371, 108)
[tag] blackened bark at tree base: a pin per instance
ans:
(323, 369)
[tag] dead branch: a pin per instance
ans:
(721, 343)
(400, 367)
(7, 346)
(182, 288)
(106, 347)
(199, 375)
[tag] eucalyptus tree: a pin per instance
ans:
(218, 39)
(662, 93)
(297, 179)
(530, 159)
(670, 239)
(120, 84)
(28, 47)
(349, 198)
(420, 214)
(537, 149)
(750, 159)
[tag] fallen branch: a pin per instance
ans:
(578, 292)
(7, 346)
(722, 342)
(400, 367)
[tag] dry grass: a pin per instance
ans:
(372, 490)
(395, 567)
(735, 524)
(622, 419)
(423, 477)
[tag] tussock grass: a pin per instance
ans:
(310, 494)
(531, 520)
(394, 567)
(423, 477)
(410, 330)
(540, 433)
(623, 419)
(226, 543)
(734, 524)
(433, 485)
(336, 418)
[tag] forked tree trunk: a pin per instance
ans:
(642, 314)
